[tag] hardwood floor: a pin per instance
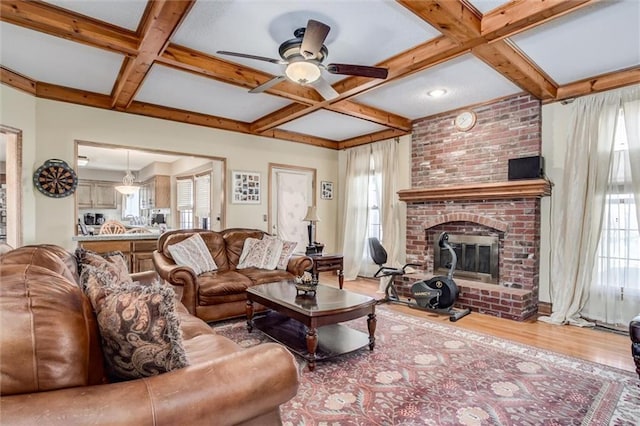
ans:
(599, 346)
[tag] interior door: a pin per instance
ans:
(291, 193)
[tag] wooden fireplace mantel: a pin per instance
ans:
(532, 188)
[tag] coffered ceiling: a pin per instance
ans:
(159, 58)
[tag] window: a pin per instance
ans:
(375, 226)
(617, 269)
(184, 200)
(194, 200)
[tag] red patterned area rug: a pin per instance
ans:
(428, 373)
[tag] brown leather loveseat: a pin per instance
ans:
(52, 366)
(220, 294)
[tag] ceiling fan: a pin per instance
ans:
(303, 56)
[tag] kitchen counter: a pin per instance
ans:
(117, 237)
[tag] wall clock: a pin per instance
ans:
(55, 179)
(465, 121)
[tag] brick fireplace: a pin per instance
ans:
(460, 185)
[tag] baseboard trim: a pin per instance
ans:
(544, 308)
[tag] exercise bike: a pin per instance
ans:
(437, 294)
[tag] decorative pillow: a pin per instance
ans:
(288, 247)
(112, 263)
(263, 254)
(193, 252)
(140, 331)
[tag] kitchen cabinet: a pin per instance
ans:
(137, 253)
(92, 194)
(155, 193)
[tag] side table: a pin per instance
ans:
(328, 262)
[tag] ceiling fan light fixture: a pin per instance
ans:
(302, 72)
(437, 93)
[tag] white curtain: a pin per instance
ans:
(579, 203)
(356, 209)
(379, 159)
(614, 294)
(385, 164)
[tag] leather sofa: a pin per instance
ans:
(221, 294)
(52, 365)
(634, 334)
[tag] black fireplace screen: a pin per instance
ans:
(477, 257)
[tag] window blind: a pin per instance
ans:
(184, 196)
(203, 195)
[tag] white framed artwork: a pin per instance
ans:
(245, 187)
(326, 190)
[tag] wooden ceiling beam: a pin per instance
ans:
(370, 138)
(74, 96)
(454, 19)
(58, 22)
(600, 83)
(452, 16)
(160, 21)
(371, 114)
(514, 17)
(17, 81)
(300, 138)
(512, 64)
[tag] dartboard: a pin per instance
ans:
(55, 179)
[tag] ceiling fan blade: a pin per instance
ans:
(259, 58)
(268, 84)
(314, 36)
(359, 70)
(323, 87)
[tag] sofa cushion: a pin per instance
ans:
(42, 312)
(234, 242)
(50, 257)
(139, 326)
(212, 285)
(193, 252)
(261, 276)
(264, 253)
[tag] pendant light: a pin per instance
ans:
(127, 187)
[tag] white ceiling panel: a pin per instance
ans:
(485, 6)
(331, 125)
(362, 32)
(466, 79)
(598, 39)
(58, 61)
(182, 90)
(122, 13)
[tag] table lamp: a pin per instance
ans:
(312, 218)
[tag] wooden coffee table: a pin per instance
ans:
(308, 324)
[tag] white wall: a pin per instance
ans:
(18, 110)
(50, 129)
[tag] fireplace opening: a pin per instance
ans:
(477, 257)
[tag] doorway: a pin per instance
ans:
(11, 192)
(291, 192)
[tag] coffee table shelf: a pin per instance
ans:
(310, 324)
(333, 339)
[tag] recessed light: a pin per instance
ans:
(436, 93)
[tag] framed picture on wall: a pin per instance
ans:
(245, 187)
(326, 190)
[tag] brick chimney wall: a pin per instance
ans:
(442, 156)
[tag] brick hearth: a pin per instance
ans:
(448, 168)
